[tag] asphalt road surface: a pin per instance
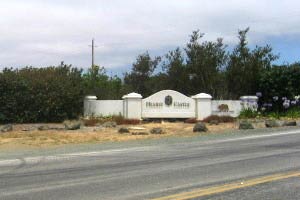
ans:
(239, 166)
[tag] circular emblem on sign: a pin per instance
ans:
(168, 100)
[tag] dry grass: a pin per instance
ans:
(19, 138)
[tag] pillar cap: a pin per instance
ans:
(132, 95)
(243, 98)
(90, 97)
(202, 96)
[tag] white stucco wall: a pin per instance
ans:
(234, 107)
(134, 107)
(103, 107)
(181, 107)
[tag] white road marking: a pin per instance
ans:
(37, 159)
(262, 136)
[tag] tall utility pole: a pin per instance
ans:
(93, 55)
(93, 52)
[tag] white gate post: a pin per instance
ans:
(249, 102)
(203, 106)
(88, 108)
(132, 107)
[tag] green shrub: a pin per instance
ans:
(281, 81)
(292, 112)
(273, 114)
(49, 94)
(248, 113)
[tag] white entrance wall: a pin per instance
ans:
(180, 106)
(94, 107)
(167, 104)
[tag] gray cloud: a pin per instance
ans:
(46, 32)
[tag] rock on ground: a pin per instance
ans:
(43, 128)
(200, 127)
(123, 130)
(136, 128)
(214, 122)
(274, 123)
(72, 125)
(244, 125)
(6, 128)
(290, 123)
(157, 131)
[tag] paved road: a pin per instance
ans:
(159, 170)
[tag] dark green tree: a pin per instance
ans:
(97, 82)
(245, 66)
(280, 81)
(176, 72)
(205, 62)
(142, 70)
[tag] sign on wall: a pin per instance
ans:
(226, 108)
(168, 104)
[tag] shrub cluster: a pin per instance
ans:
(280, 83)
(248, 113)
(52, 94)
(274, 107)
(49, 94)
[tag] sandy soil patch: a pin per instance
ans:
(35, 138)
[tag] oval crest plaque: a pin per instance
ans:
(168, 100)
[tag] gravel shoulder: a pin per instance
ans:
(176, 137)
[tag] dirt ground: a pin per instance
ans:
(18, 138)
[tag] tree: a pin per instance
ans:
(176, 72)
(137, 80)
(204, 64)
(245, 66)
(96, 82)
(280, 81)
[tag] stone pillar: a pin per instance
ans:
(88, 108)
(249, 102)
(132, 106)
(203, 105)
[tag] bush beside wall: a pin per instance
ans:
(49, 94)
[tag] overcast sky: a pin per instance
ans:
(45, 32)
